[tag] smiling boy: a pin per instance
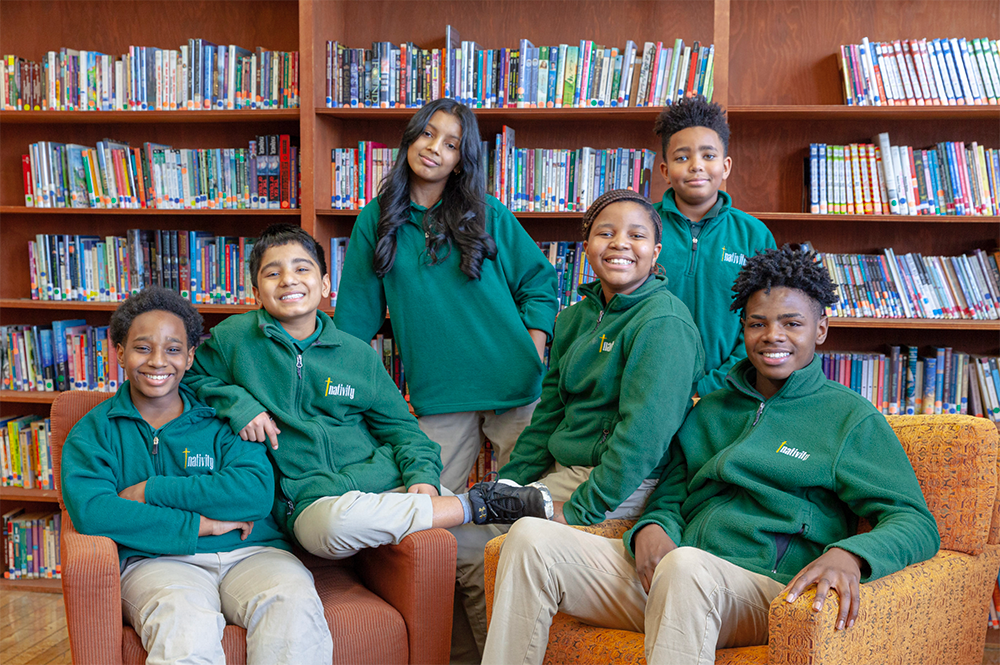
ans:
(354, 469)
(762, 493)
(705, 239)
(188, 504)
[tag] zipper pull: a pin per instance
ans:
(599, 317)
(156, 444)
(694, 244)
(760, 409)
(298, 365)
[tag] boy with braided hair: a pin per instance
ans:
(761, 494)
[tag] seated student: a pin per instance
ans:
(762, 492)
(705, 239)
(188, 504)
(622, 370)
(347, 436)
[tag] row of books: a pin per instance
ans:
(65, 355)
(338, 251)
(901, 383)
(25, 453)
(32, 549)
(878, 178)
(486, 465)
(265, 174)
(202, 267)
(572, 269)
(195, 76)
(939, 72)
(357, 173)
(558, 180)
(557, 76)
(914, 286)
(388, 350)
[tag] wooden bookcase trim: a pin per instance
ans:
(48, 496)
(840, 112)
(144, 117)
(44, 586)
(890, 219)
(628, 114)
(143, 212)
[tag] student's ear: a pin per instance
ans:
(656, 255)
(190, 358)
(120, 350)
(326, 285)
(256, 293)
(585, 247)
(665, 173)
(822, 327)
(727, 164)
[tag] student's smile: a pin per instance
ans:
(290, 287)
(695, 168)
(155, 356)
(436, 152)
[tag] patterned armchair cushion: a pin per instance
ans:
(955, 459)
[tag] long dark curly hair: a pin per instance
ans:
(461, 217)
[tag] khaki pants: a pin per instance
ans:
(697, 602)
(461, 436)
(179, 606)
(336, 527)
(469, 626)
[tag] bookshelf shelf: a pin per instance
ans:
(914, 324)
(83, 306)
(143, 212)
(48, 496)
(840, 112)
(43, 586)
(145, 117)
(26, 397)
(883, 219)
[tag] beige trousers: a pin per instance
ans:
(461, 436)
(697, 602)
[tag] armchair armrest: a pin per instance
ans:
(91, 583)
(930, 612)
(417, 577)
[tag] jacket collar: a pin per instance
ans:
(123, 407)
(329, 336)
(675, 216)
(620, 301)
(802, 382)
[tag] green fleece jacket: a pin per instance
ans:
(771, 485)
(193, 466)
(620, 381)
(464, 342)
(702, 273)
(344, 425)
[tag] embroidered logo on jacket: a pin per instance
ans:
(785, 449)
(733, 257)
(198, 461)
(339, 390)
(605, 346)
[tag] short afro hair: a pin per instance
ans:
(691, 112)
(277, 235)
(622, 196)
(151, 299)
(791, 267)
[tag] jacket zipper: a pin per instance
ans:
(760, 410)
(598, 323)
(694, 254)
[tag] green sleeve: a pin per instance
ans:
(390, 422)
(213, 383)
(91, 480)
(664, 505)
(361, 304)
(530, 276)
(874, 478)
(656, 388)
(241, 489)
(530, 457)
(716, 378)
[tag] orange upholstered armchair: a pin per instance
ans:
(929, 613)
(391, 604)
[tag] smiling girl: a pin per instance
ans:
(471, 295)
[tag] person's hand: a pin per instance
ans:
(210, 527)
(539, 338)
(261, 429)
(422, 488)
(557, 512)
(651, 544)
(136, 492)
(836, 569)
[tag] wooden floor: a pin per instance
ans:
(33, 629)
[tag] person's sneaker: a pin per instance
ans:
(505, 502)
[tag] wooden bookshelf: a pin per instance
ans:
(775, 70)
(42, 586)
